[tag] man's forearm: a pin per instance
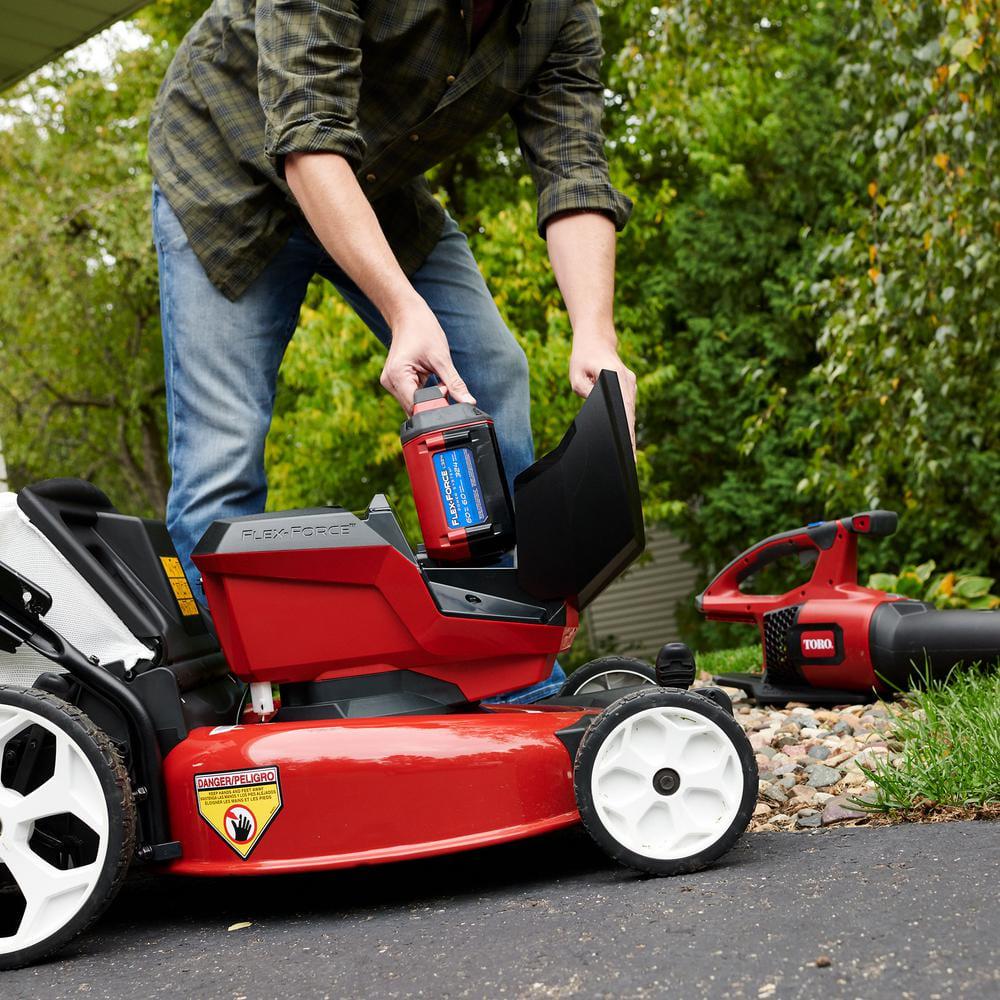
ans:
(328, 193)
(582, 251)
(331, 199)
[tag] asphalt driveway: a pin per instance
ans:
(908, 911)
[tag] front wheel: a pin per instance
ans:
(665, 781)
(67, 824)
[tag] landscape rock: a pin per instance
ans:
(853, 778)
(808, 818)
(773, 792)
(868, 756)
(839, 809)
(821, 776)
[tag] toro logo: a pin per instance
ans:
(817, 644)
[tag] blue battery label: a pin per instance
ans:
(459, 486)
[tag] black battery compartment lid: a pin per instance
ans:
(577, 509)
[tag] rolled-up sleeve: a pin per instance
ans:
(309, 77)
(559, 125)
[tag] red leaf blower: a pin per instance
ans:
(830, 639)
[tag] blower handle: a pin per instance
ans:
(836, 545)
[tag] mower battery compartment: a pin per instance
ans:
(320, 594)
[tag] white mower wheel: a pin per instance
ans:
(67, 824)
(608, 673)
(665, 781)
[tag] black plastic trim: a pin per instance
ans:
(571, 735)
(439, 418)
(910, 638)
(764, 693)
(383, 694)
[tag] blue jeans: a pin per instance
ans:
(221, 360)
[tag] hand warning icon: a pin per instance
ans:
(240, 824)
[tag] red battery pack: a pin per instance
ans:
(459, 486)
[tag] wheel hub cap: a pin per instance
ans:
(667, 783)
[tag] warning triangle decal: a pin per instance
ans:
(239, 805)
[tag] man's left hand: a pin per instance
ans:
(592, 356)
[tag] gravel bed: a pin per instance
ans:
(810, 760)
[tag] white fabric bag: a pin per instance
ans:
(78, 613)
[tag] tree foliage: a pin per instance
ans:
(908, 316)
(807, 289)
(81, 367)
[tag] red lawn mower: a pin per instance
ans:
(831, 640)
(336, 709)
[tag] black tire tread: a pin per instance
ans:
(123, 786)
(573, 682)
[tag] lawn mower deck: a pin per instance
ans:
(336, 709)
(344, 792)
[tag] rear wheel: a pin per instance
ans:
(665, 781)
(67, 824)
(609, 673)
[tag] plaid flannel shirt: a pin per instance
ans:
(394, 88)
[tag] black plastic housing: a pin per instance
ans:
(909, 639)
(121, 557)
(579, 515)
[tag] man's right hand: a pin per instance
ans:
(420, 349)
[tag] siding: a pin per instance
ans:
(638, 609)
(33, 34)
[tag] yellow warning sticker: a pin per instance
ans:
(179, 585)
(239, 805)
(172, 566)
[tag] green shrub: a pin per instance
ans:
(954, 589)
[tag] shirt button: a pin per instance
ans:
(414, 137)
(449, 79)
(370, 178)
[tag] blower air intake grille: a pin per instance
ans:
(777, 664)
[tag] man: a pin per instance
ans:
(290, 138)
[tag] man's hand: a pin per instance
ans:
(420, 349)
(591, 356)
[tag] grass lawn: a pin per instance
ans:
(951, 745)
(742, 660)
